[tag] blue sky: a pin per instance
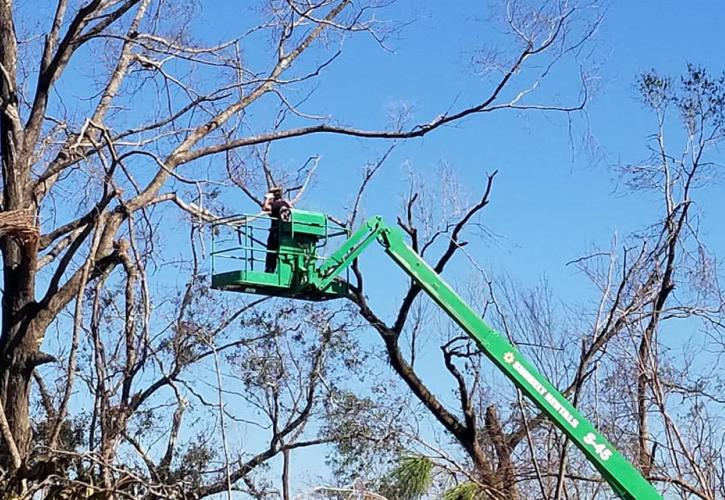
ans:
(552, 199)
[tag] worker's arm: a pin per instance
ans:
(267, 205)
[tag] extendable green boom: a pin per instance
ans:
(624, 478)
(314, 281)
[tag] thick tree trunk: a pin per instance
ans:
(467, 435)
(19, 340)
(505, 470)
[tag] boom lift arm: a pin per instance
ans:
(623, 477)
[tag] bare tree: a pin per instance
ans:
(86, 185)
(644, 363)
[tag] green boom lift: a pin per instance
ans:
(302, 274)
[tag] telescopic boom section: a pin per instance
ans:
(623, 477)
(348, 252)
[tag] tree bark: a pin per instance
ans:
(19, 339)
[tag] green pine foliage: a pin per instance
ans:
(463, 491)
(411, 479)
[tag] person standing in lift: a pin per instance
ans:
(278, 209)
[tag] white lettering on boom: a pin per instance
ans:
(538, 387)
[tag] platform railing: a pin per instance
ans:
(242, 239)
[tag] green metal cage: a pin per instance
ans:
(240, 249)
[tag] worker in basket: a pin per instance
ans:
(278, 209)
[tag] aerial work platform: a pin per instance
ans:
(302, 272)
(239, 251)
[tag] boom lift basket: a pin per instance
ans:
(239, 251)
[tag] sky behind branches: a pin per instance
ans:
(556, 195)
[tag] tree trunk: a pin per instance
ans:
(19, 340)
(19, 246)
